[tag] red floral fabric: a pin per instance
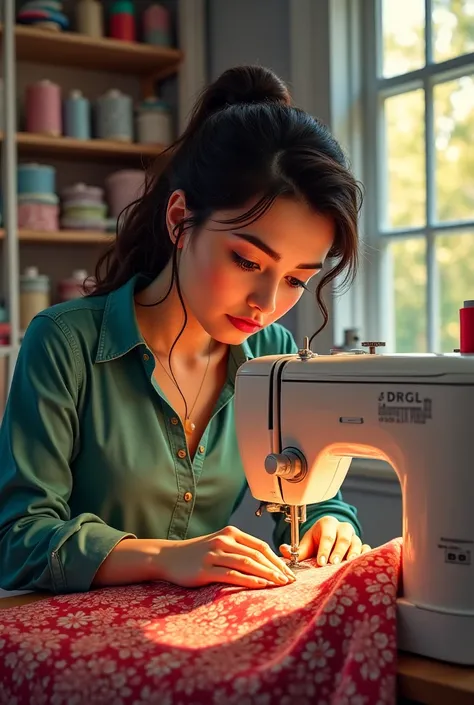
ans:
(327, 639)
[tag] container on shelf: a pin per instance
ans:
(154, 122)
(37, 201)
(156, 25)
(83, 208)
(77, 116)
(36, 178)
(34, 295)
(114, 116)
(122, 21)
(90, 18)
(43, 108)
(123, 187)
(73, 286)
(47, 15)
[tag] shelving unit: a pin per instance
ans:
(148, 64)
(30, 144)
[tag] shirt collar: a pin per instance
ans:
(119, 331)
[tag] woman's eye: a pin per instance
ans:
(244, 264)
(296, 283)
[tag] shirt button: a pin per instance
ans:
(188, 497)
(201, 449)
(146, 357)
(174, 421)
(181, 453)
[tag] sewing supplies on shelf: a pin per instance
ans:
(77, 116)
(72, 287)
(156, 25)
(114, 116)
(154, 122)
(122, 21)
(83, 208)
(43, 108)
(35, 290)
(90, 18)
(46, 14)
(122, 188)
(38, 203)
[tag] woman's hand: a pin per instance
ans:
(227, 556)
(331, 541)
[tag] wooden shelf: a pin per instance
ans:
(40, 145)
(64, 237)
(81, 51)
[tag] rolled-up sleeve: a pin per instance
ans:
(42, 547)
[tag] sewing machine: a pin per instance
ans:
(302, 418)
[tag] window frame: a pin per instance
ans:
(379, 310)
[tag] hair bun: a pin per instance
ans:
(245, 84)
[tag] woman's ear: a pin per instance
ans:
(175, 213)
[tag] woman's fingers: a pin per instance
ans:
(247, 565)
(264, 550)
(219, 574)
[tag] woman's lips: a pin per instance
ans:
(244, 325)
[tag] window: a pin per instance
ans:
(419, 156)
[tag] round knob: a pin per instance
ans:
(290, 464)
(372, 345)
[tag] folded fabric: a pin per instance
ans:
(327, 639)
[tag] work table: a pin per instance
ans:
(419, 679)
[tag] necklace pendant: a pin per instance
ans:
(189, 427)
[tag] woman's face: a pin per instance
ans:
(237, 280)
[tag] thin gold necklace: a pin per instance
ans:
(189, 426)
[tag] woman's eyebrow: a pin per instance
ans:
(255, 240)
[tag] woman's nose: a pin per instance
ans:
(264, 299)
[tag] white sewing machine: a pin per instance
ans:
(302, 418)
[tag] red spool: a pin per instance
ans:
(122, 26)
(466, 320)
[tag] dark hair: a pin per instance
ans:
(244, 140)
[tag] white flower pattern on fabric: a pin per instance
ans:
(328, 638)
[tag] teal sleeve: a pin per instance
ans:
(335, 507)
(41, 546)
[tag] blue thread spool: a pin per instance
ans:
(36, 178)
(77, 116)
(114, 117)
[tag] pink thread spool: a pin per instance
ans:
(156, 25)
(43, 109)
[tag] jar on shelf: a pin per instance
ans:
(90, 18)
(73, 286)
(35, 294)
(123, 187)
(114, 116)
(43, 108)
(122, 20)
(77, 116)
(154, 122)
(156, 25)
(38, 204)
(83, 208)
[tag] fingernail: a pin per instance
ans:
(336, 559)
(352, 556)
(322, 560)
(281, 578)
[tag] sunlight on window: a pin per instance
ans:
(403, 39)
(409, 286)
(405, 161)
(454, 145)
(455, 264)
(453, 28)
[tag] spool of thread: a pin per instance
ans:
(77, 116)
(123, 187)
(122, 21)
(43, 109)
(34, 295)
(156, 25)
(466, 320)
(36, 179)
(90, 18)
(154, 124)
(73, 287)
(114, 117)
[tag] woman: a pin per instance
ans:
(119, 461)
